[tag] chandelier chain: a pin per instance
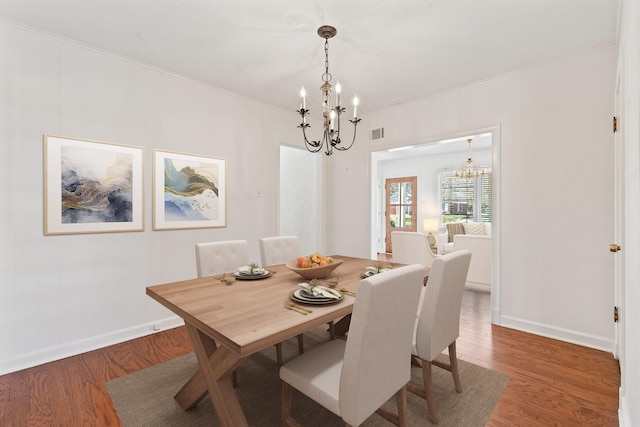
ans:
(326, 77)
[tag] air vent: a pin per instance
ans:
(377, 134)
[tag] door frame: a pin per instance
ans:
(619, 224)
(377, 209)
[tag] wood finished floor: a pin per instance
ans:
(552, 383)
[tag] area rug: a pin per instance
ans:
(145, 398)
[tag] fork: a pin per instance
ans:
(290, 304)
(348, 292)
(296, 309)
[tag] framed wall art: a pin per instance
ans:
(189, 191)
(92, 186)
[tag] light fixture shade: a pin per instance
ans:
(430, 225)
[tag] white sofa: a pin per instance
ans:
(479, 276)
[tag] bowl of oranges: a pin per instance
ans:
(314, 266)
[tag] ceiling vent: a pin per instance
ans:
(377, 134)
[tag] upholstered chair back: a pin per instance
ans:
(221, 257)
(439, 319)
(278, 249)
(378, 349)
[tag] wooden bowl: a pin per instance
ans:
(313, 272)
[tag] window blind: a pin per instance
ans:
(465, 198)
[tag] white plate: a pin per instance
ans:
(248, 276)
(295, 296)
(301, 294)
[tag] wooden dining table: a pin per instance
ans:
(229, 321)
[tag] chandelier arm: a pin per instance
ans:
(311, 146)
(329, 147)
(355, 125)
(315, 145)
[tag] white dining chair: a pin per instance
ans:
(221, 257)
(354, 378)
(213, 258)
(438, 323)
(411, 248)
(278, 250)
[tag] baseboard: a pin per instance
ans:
(478, 287)
(495, 316)
(51, 354)
(624, 416)
(549, 331)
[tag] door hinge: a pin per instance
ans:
(615, 124)
(615, 314)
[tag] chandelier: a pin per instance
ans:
(330, 113)
(469, 168)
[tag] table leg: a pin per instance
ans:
(194, 390)
(216, 367)
(341, 327)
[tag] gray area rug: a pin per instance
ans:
(145, 398)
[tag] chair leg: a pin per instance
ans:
(428, 390)
(279, 354)
(287, 399)
(332, 330)
(286, 420)
(403, 411)
(453, 362)
(300, 344)
(402, 417)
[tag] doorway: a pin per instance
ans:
(420, 160)
(400, 206)
(301, 204)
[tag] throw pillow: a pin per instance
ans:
(453, 229)
(476, 228)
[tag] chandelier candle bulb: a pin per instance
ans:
(303, 94)
(355, 107)
(338, 89)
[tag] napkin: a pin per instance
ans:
(320, 291)
(370, 271)
(256, 271)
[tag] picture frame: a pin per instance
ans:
(91, 186)
(189, 191)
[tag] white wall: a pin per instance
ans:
(556, 179)
(61, 295)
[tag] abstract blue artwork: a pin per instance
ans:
(91, 186)
(189, 191)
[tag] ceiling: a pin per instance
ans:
(386, 51)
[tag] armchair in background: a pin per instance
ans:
(476, 238)
(411, 248)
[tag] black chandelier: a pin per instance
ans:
(331, 115)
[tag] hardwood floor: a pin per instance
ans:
(552, 383)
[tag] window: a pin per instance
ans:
(465, 199)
